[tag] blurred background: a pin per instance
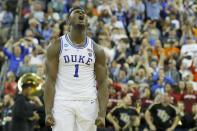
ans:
(150, 47)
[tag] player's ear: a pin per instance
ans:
(67, 19)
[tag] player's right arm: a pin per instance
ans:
(52, 62)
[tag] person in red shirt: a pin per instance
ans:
(169, 90)
(178, 90)
(146, 100)
(132, 91)
(11, 84)
(189, 98)
(113, 98)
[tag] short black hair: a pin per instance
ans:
(74, 8)
(26, 85)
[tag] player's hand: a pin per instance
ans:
(152, 127)
(49, 120)
(100, 122)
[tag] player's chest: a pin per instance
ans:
(78, 56)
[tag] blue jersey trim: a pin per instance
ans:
(77, 47)
(92, 45)
(61, 46)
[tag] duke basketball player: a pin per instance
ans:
(74, 63)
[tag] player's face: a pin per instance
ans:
(78, 18)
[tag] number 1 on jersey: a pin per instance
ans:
(76, 70)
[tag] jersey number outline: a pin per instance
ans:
(76, 70)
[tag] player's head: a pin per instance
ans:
(77, 17)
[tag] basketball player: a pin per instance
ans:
(73, 65)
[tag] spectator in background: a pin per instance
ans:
(121, 11)
(164, 115)
(189, 98)
(57, 6)
(38, 13)
(152, 9)
(53, 17)
(26, 67)
(172, 72)
(11, 84)
(124, 117)
(36, 58)
(138, 5)
(141, 73)
(17, 57)
(21, 110)
(33, 26)
(122, 54)
(151, 28)
(47, 33)
(171, 49)
(158, 50)
(92, 16)
(8, 102)
(6, 19)
(178, 90)
(104, 6)
(190, 46)
(146, 99)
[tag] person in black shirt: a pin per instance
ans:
(164, 115)
(124, 116)
(21, 110)
(8, 103)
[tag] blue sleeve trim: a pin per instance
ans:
(92, 45)
(61, 46)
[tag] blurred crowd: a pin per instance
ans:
(151, 54)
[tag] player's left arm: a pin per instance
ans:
(102, 79)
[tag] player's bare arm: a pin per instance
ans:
(51, 73)
(102, 79)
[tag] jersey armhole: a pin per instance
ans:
(61, 46)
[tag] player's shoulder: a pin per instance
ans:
(97, 48)
(54, 47)
(99, 52)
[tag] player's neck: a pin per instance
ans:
(77, 36)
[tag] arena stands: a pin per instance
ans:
(151, 49)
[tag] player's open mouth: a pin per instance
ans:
(81, 17)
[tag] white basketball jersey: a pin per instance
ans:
(76, 78)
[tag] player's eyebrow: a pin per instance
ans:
(79, 10)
